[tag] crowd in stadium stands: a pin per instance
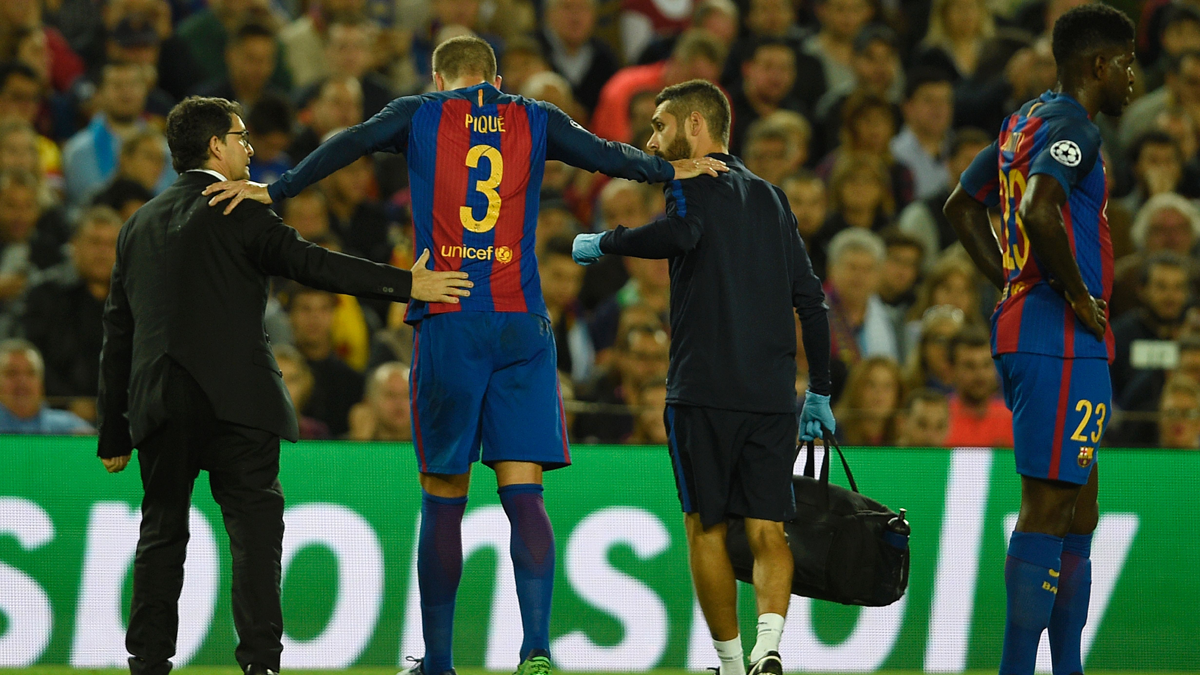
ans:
(864, 111)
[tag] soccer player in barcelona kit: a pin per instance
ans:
(1054, 265)
(483, 372)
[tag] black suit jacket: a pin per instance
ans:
(190, 285)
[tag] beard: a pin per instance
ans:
(678, 149)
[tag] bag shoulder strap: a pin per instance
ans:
(831, 442)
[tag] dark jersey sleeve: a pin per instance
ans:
(1069, 152)
(568, 142)
(981, 180)
(667, 237)
(386, 131)
(808, 297)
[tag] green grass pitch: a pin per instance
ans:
(232, 670)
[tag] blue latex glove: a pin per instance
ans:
(586, 249)
(816, 413)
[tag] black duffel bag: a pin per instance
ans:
(848, 548)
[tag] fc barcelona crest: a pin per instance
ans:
(1086, 455)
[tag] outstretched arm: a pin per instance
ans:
(667, 237)
(386, 131)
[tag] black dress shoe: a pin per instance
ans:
(259, 669)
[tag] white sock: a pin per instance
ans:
(770, 630)
(732, 660)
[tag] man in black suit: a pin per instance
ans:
(187, 376)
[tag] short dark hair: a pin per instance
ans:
(697, 43)
(249, 31)
(923, 395)
(1153, 137)
(765, 43)
(11, 69)
(192, 123)
(895, 237)
(699, 96)
(872, 33)
(271, 114)
(922, 76)
(465, 55)
(971, 337)
(1164, 259)
(1087, 28)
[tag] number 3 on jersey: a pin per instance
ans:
(487, 187)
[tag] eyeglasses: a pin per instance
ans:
(243, 136)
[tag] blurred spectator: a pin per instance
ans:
(141, 31)
(1167, 222)
(357, 219)
(859, 198)
(63, 311)
(569, 43)
(30, 238)
(901, 271)
(859, 324)
(621, 202)
(648, 424)
(336, 107)
(1164, 297)
(270, 124)
(1181, 87)
(978, 416)
(206, 32)
(385, 413)
(337, 386)
(924, 420)
(123, 195)
(19, 150)
(806, 196)
(877, 71)
(697, 55)
(776, 20)
(719, 18)
(923, 218)
(21, 20)
(772, 151)
(1029, 72)
(523, 58)
(305, 40)
(768, 79)
(959, 31)
(23, 408)
(868, 125)
(924, 142)
(393, 342)
(21, 101)
(952, 281)
(1142, 394)
(348, 52)
(640, 357)
(308, 214)
(553, 88)
(1179, 32)
(143, 158)
(250, 58)
(867, 410)
(90, 157)
(833, 45)
(298, 379)
(1157, 163)
(928, 365)
(561, 281)
(1179, 410)
(649, 285)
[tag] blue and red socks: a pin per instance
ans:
(532, 550)
(1071, 605)
(1031, 577)
(439, 569)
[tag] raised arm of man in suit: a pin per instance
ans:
(280, 251)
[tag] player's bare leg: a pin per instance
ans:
(532, 548)
(1074, 583)
(1047, 506)
(716, 589)
(773, 567)
(439, 566)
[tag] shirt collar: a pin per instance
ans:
(209, 172)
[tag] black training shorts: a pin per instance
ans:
(730, 463)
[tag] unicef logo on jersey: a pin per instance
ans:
(1066, 152)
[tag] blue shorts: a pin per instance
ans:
(1061, 408)
(490, 379)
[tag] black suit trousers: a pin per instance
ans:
(243, 467)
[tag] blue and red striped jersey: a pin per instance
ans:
(475, 163)
(1050, 135)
